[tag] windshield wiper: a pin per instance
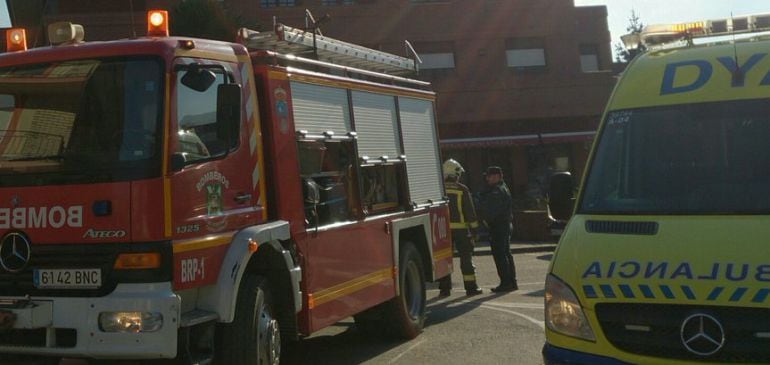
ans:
(36, 158)
(67, 156)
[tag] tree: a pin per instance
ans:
(635, 26)
(203, 19)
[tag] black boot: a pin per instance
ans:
(472, 292)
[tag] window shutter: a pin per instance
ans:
(376, 125)
(421, 149)
(318, 109)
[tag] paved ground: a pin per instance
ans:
(515, 314)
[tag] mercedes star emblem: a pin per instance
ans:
(15, 250)
(15, 201)
(702, 334)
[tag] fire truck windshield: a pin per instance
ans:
(84, 121)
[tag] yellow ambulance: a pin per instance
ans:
(666, 259)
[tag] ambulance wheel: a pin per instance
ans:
(404, 315)
(254, 337)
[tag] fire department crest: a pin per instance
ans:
(281, 109)
(214, 199)
(213, 184)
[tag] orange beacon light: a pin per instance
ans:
(157, 23)
(16, 40)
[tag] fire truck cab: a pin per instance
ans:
(170, 197)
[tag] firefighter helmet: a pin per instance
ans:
(452, 168)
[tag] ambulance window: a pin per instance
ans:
(199, 136)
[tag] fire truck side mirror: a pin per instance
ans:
(229, 113)
(561, 195)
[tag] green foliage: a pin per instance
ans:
(203, 19)
(622, 54)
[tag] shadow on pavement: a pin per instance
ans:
(346, 348)
(537, 294)
(441, 310)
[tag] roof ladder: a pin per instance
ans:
(287, 40)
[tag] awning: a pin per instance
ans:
(519, 140)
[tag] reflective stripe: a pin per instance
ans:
(471, 277)
(462, 223)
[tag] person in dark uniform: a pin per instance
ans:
(463, 223)
(495, 208)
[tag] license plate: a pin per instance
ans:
(67, 278)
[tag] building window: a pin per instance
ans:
(589, 57)
(525, 53)
(337, 2)
(277, 3)
(438, 58)
(434, 61)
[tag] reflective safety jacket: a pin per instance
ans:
(462, 213)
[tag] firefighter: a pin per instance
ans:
(463, 222)
(495, 207)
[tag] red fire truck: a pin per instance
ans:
(169, 197)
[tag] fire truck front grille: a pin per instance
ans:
(95, 256)
(62, 338)
(655, 330)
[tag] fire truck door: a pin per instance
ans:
(211, 195)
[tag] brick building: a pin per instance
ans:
(521, 84)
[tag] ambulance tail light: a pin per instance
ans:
(16, 40)
(157, 23)
(563, 312)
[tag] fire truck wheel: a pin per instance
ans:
(254, 336)
(404, 315)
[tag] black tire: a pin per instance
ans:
(404, 315)
(254, 336)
